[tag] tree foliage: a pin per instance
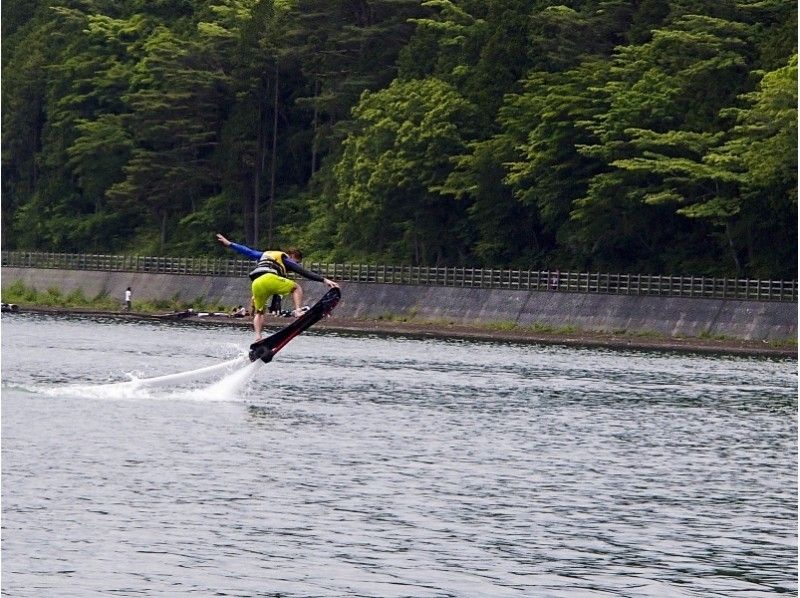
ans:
(394, 162)
(657, 136)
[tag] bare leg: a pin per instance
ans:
(258, 323)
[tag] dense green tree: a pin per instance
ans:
(667, 92)
(655, 136)
(548, 123)
(92, 114)
(394, 164)
(176, 100)
(757, 165)
(242, 36)
(23, 105)
(343, 48)
(479, 47)
(83, 78)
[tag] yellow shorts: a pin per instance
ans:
(267, 285)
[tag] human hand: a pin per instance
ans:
(330, 284)
(223, 240)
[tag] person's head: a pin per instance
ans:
(295, 254)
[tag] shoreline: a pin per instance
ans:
(476, 333)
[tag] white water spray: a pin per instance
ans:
(190, 376)
(236, 373)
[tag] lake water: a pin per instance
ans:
(148, 459)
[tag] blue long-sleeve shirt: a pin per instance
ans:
(291, 266)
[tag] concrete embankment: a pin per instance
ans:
(669, 316)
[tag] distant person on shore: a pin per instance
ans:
(128, 297)
(275, 305)
(555, 280)
(269, 278)
(238, 312)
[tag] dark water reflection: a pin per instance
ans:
(390, 467)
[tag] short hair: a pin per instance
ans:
(293, 251)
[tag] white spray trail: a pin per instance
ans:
(193, 375)
(236, 373)
(231, 386)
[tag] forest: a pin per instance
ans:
(641, 136)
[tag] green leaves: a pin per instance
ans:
(664, 99)
(658, 135)
(99, 153)
(762, 148)
(394, 163)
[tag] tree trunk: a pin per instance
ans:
(247, 218)
(733, 249)
(274, 158)
(163, 234)
(258, 167)
(315, 129)
(37, 132)
(257, 183)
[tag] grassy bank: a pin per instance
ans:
(542, 330)
(411, 324)
(29, 297)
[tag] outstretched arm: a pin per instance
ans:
(253, 254)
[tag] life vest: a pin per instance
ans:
(271, 262)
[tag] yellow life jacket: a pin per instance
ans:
(271, 262)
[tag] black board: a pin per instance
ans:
(266, 348)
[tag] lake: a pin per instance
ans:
(141, 458)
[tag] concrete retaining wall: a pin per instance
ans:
(748, 320)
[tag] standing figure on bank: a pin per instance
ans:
(275, 305)
(269, 278)
(128, 297)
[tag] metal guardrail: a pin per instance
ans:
(538, 280)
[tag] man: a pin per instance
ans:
(269, 278)
(275, 305)
(128, 295)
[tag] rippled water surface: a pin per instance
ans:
(144, 459)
